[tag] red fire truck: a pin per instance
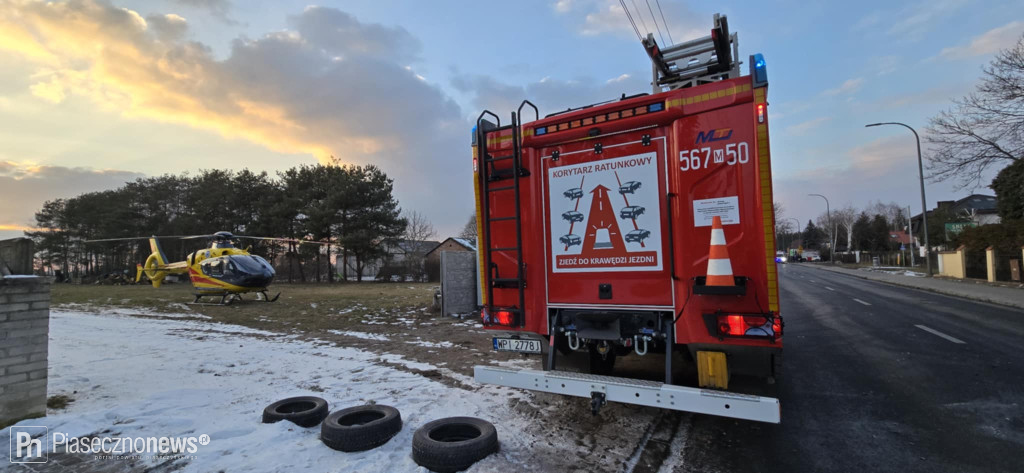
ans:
(596, 228)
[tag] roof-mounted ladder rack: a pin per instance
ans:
(695, 62)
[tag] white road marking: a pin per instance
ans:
(829, 288)
(940, 334)
(862, 302)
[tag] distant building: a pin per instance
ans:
(395, 263)
(433, 257)
(973, 210)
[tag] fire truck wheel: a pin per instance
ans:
(305, 411)
(360, 428)
(601, 365)
(453, 443)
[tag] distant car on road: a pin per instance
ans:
(811, 256)
(638, 235)
(633, 211)
(628, 187)
(570, 240)
(572, 216)
(574, 193)
(780, 257)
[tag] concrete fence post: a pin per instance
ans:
(24, 339)
(990, 263)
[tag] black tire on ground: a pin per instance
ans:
(305, 411)
(360, 428)
(601, 365)
(453, 443)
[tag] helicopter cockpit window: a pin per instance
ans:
(214, 268)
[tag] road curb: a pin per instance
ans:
(853, 273)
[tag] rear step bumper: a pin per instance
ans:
(635, 391)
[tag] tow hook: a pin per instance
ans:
(597, 399)
(603, 348)
(574, 340)
(636, 344)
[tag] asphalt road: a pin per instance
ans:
(880, 378)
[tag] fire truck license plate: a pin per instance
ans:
(522, 345)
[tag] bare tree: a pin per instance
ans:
(469, 231)
(417, 231)
(845, 218)
(984, 129)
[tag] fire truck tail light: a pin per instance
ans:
(504, 317)
(735, 325)
(760, 113)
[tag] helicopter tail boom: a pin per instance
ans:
(156, 267)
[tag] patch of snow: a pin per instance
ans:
(362, 335)
(140, 377)
(424, 343)
(129, 311)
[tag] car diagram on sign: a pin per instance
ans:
(599, 216)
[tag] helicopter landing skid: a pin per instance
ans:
(263, 296)
(225, 299)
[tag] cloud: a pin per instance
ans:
(24, 186)
(909, 21)
(169, 27)
(322, 87)
(550, 95)
(805, 127)
(988, 42)
(608, 17)
(848, 87)
(218, 8)
(884, 169)
(562, 6)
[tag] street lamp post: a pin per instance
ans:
(924, 202)
(831, 241)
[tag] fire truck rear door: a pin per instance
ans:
(606, 222)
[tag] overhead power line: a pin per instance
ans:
(630, 17)
(653, 18)
(662, 13)
(642, 22)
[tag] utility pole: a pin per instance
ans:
(924, 202)
(910, 236)
(831, 245)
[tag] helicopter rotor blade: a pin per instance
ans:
(289, 240)
(140, 238)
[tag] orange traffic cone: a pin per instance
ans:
(719, 266)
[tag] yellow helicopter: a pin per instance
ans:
(222, 270)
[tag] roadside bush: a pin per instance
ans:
(1007, 236)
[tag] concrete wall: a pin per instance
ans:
(458, 282)
(24, 332)
(953, 263)
(16, 256)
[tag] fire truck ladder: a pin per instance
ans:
(695, 62)
(490, 174)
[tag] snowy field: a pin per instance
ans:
(140, 377)
(135, 374)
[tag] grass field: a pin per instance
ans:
(308, 307)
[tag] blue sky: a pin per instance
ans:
(98, 92)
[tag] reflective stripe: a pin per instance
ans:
(717, 236)
(719, 267)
